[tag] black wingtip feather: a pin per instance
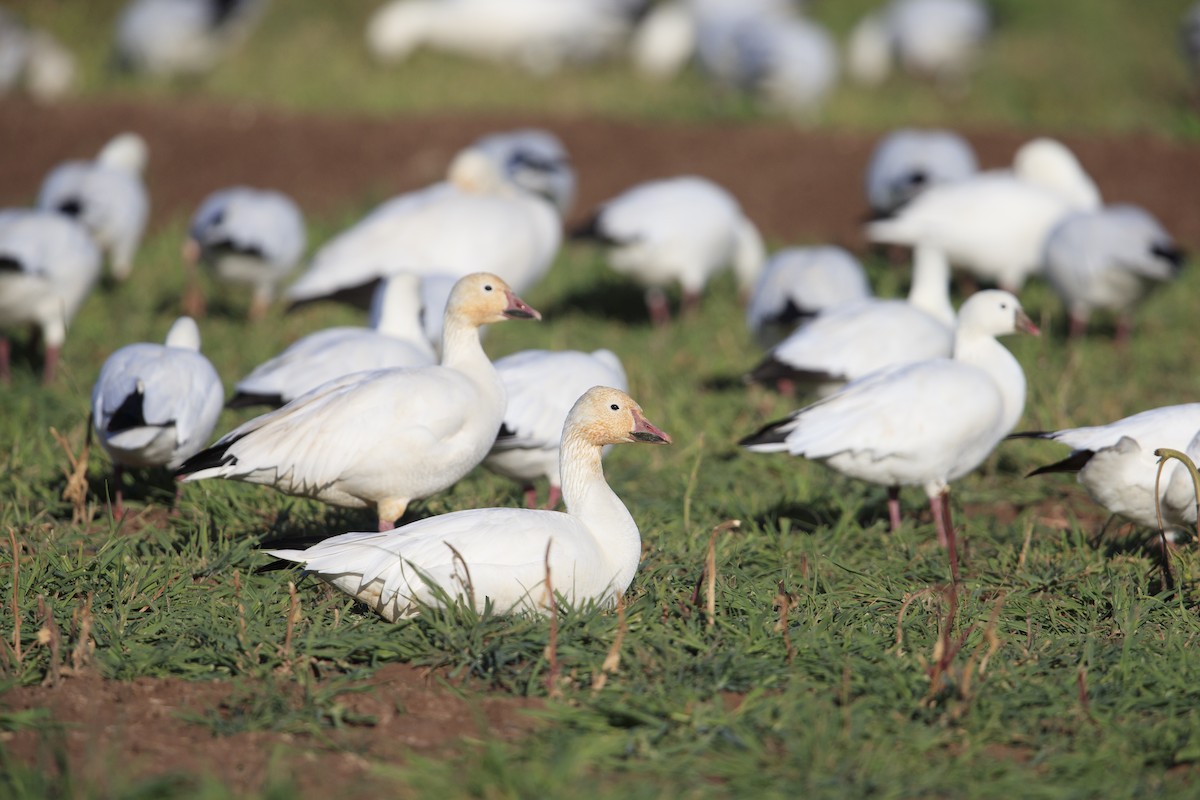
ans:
(771, 433)
(1072, 463)
(771, 370)
(215, 456)
(1030, 435)
(130, 414)
(250, 399)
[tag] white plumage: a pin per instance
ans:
(48, 265)
(1179, 501)
(790, 63)
(534, 159)
(542, 386)
(939, 39)
(908, 161)
(34, 59)
(156, 404)
(502, 556)
(182, 37)
(395, 339)
(381, 439)
(107, 195)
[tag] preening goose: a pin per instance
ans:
(800, 283)
(542, 387)
(502, 556)
(395, 339)
(245, 235)
(923, 424)
(155, 404)
(679, 230)
(107, 195)
(909, 160)
(381, 439)
(48, 265)
(182, 37)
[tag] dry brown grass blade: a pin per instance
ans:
(16, 593)
(465, 580)
(76, 491)
(294, 616)
(784, 603)
(612, 662)
(711, 567)
(81, 622)
(49, 636)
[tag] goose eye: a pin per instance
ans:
(487, 287)
(615, 407)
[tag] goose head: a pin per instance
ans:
(475, 172)
(1050, 164)
(604, 416)
(127, 151)
(483, 298)
(994, 312)
(184, 334)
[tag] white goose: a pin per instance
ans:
(501, 556)
(800, 283)
(476, 221)
(48, 265)
(679, 230)
(395, 339)
(938, 39)
(994, 224)
(182, 37)
(909, 160)
(923, 424)
(535, 160)
(1116, 462)
(855, 339)
(155, 404)
(542, 387)
(107, 195)
(1109, 259)
(381, 439)
(246, 235)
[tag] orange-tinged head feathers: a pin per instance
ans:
(604, 415)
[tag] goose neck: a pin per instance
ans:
(1000, 365)
(930, 291)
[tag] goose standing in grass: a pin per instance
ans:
(384, 438)
(908, 161)
(800, 283)
(1116, 462)
(925, 424)
(542, 386)
(994, 225)
(1109, 259)
(679, 230)
(155, 404)
(107, 195)
(245, 235)
(501, 557)
(855, 339)
(48, 265)
(182, 37)
(395, 339)
(477, 220)
(534, 159)
(938, 39)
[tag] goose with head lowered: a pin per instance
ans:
(502, 556)
(384, 438)
(924, 424)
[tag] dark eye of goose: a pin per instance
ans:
(487, 287)
(615, 407)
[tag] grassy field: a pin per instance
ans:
(837, 660)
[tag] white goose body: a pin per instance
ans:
(180, 37)
(800, 283)
(929, 38)
(383, 438)
(908, 161)
(501, 556)
(107, 195)
(534, 159)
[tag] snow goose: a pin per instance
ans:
(789, 63)
(107, 195)
(939, 39)
(395, 339)
(48, 264)
(679, 230)
(799, 283)
(664, 41)
(501, 557)
(156, 404)
(855, 339)
(1189, 38)
(542, 387)
(908, 161)
(182, 37)
(535, 160)
(35, 59)
(1116, 462)
(246, 235)
(995, 224)
(381, 439)
(1108, 259)
(475, 221)
(923, 424)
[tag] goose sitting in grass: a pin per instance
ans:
(925, 424)
(155, 404)
(384, 438)
(502, 557)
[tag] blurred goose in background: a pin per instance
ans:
(800, 283)
(48, 265)
(909, 160)
(994, 224)
(477, 220)
(1109, 259)
(665, 40)
(534, 159)
(938, 39)
(542, 386)
(33, 59)
(678, 230)
(182, 37)
(1116, 462)
(394, 339)
(1189, 38)
(500, 558)
(790, 63)
(107, 195)
(384, 438)
(858, 338)
(923, 424)
(155, 404)
(244, 235)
